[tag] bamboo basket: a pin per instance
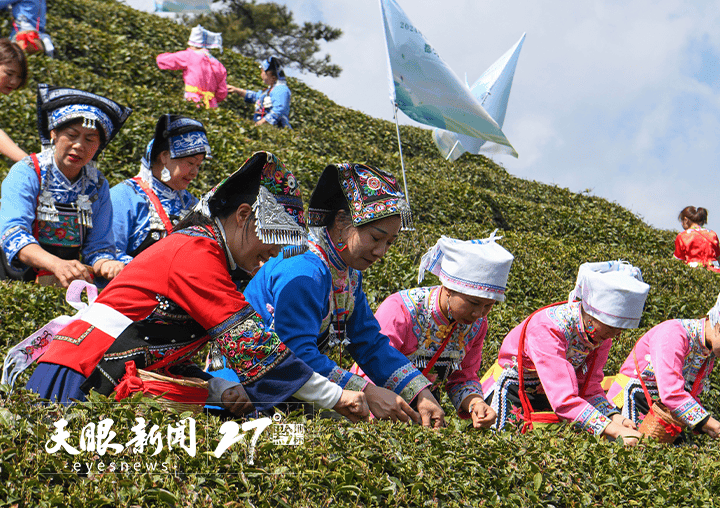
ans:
(652, 427)
(190, 382)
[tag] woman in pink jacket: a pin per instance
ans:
(674, 359)
(565, 348)
(441, 329)
(205, 77)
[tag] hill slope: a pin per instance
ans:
(108, 48)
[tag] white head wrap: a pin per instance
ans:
(202, 38)
(714, 313)
(475, 267)
(612, 292)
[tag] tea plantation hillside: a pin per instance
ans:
(108, 48)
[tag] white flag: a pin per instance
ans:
(493, 92)
(425, 88)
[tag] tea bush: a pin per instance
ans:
(106, 47)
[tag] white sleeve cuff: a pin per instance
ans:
(216, 387)
(319, 390)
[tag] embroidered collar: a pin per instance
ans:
(221, 233)
(569, 318)
(323, 246)
(695, 329)
(436, 309)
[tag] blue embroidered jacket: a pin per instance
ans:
(273, 104)
(134, 217)
(20, 191)
(299, 292)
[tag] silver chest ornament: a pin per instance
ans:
(337, 337)
(84, 210)
(46, 210)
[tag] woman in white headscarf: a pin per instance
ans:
(561, 351)
(674, 360)
(441, 329)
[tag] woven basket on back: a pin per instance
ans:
(191, 382)
(652, 427)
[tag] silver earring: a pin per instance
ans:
(165, 174)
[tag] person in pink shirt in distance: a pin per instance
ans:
(565, 348)
(205, 77)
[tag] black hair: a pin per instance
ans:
(275, 66)
(12, 53)
(222, 212)
(694, 215)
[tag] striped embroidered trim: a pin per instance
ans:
(415, 386)
(234, 320)
(76, 340)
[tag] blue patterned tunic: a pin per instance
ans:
(20, 191)
(135, 217)
(316, 302)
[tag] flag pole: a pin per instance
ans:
(452, 150)
(402, 163)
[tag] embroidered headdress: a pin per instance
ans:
(371, 193)
(57, 106)
(475, 267)
(612, 292)
(184, 137)
(202, 38)
(279, 215)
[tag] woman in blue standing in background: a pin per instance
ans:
(272, 105)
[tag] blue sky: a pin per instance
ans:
(617, 98)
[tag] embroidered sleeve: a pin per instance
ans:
(668, 353)
(250, 349)
(546, 345)
(17, 213)
(251, 96)
(592, 420)
(691, 412)
(459, 392)
(346, 380)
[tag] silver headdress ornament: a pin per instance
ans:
(273, 224)
(203, 207)
(406, 221)
(88, 123)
